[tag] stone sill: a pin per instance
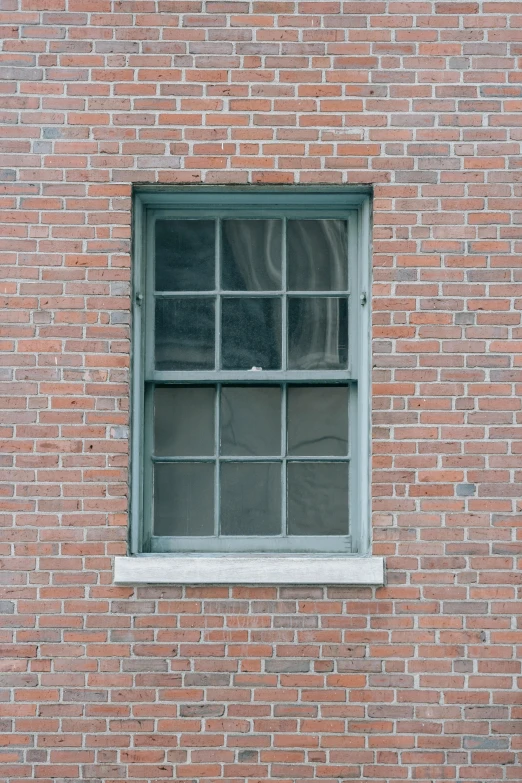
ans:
(249, 569)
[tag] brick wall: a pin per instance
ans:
(415, 681)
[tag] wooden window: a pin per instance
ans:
(250, 371)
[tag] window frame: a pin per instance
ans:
(352, 204)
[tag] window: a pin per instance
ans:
(250, 371)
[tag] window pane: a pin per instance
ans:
(184, 421)
(184, 499)
(317, 498)
(251, 333)
(251, 255)
(317, 255)
(250, 498)
(317, 333)
(185, 251)
(185, 334)
(318, 420)
(251, 421)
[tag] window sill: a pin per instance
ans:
(249, 569)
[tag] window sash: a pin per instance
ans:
(255, 543)
(218, 293)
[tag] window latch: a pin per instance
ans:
(363, 298)
(139, 299)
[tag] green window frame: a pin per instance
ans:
(223, 203)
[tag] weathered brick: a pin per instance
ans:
(417, 100)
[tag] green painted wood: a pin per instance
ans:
(152, 203)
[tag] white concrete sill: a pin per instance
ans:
(249, 569)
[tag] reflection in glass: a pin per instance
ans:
(251, 421)
(184, 421)
(251, 333)
(317, 257)
(184, 333)
(251, 255)
(318, 421)
(317, 498)
(250, 498)
(184, 499)
(317, 333)
(185, 251)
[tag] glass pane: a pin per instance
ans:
(250, 498)
(184, 421)
(317, 498)
(317, 256)
(185, 251)
(317, 333)
(185, 334)
(318, 420)
(251, 333)
(184, 499)
(251, 421)
(251, 255)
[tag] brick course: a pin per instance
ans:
(414, 681)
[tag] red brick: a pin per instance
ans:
(420, 101)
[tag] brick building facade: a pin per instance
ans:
(416, 680)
